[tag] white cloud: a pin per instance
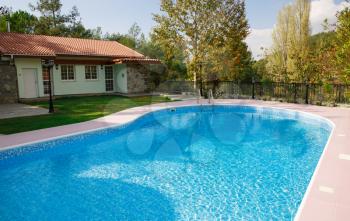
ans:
(257, 39)
(320, 10)
(324, 9)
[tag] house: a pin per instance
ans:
(81, 66)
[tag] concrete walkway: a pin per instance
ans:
(20, 110)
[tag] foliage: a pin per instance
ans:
(21, 21)
(343, 44)
(210, 32)
(259, 70)
(278, 59)
(322, 47)
(290, 53)
(51, 21)
(134, 39)
(298, 57)
(228, 52)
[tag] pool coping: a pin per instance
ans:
(328, 194)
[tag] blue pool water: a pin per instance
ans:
(192, 163)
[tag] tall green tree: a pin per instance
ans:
(343, 44)
(51, 21)
(323, 52)
(299, 53)
(23, 22)
(74, 26)
(186, 23)
(124, 39)
(4, 16)
(133, 39)
(278, 59)
(228, 51)
(20, 21)
(211, 32)
(289, 59)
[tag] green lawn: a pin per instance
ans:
(74, 110)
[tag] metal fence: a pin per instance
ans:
(320, 94)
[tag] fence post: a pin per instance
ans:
(295, 92)
(253, 90)
(338, 93)
(307, 93)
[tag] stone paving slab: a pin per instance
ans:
(20, 110)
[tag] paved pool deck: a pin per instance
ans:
(328, 195)
(20, 110)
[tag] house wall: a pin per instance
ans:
(29, 63)
(120, 78)
(79, 85)
(138, 78)
(8, 85)
(130, 78)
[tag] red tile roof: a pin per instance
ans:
(136, 60)
(42, 45)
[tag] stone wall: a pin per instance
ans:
(138, 78)
(8, 83)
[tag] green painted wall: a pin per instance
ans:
(78, 86)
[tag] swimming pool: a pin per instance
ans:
(190, 163)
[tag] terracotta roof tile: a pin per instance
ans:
(136, 60)
(42, 45)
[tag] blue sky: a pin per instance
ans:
(119, 15)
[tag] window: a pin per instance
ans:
(67, 73)
(90, 72)
(109, 78)
(46, 84)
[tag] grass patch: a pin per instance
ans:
(74, 110)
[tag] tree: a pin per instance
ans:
(278, 59)
(75, 28)
(259, 69)
(136, 36)
(124, 39)
(322, 49)
(343, 44)
(51, 21)
(4, 16)
(290, 55)
(211, 32)
(22, 22)
(228, 51)
(299, 53)
(50, 10)
(185, 22)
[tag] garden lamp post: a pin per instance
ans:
(49, 64)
